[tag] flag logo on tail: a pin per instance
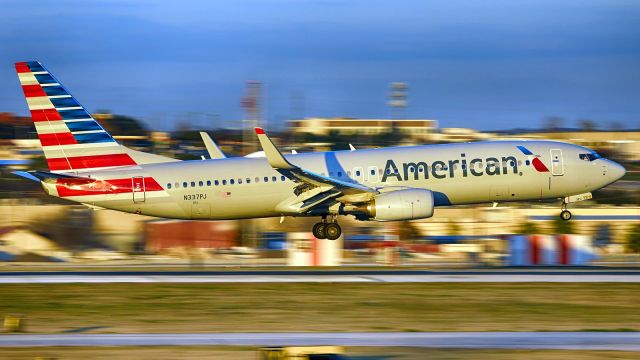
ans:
(71, 138)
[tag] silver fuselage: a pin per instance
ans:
(464, 173)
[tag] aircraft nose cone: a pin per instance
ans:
(616, 171)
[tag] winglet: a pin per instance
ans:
(212, 148)
(274, 156)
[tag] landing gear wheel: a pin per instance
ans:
(565, 215)
(333, 231)
(318, 230)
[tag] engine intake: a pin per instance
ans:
(406, 204)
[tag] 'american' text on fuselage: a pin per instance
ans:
(440, 170)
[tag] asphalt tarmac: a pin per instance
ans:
(279, 276)
(629, 341)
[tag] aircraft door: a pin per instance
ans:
(372, 173)
(137, 188)
(557, 166)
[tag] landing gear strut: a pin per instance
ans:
(565, 214)
(327, 230)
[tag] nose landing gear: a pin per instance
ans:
(327, 230)
(565, 214)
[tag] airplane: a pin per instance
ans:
(88, 166)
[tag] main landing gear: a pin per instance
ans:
(327, 230)
(565, 214)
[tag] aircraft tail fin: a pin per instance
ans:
(72, 140)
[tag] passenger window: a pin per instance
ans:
(216, 182)
(373, 171)
(283, 178)
(184, 184)
(231, 182)
(176, 184)
(208, 182)
(257, 179)
(358, 172)
(248, 181)
(193, 184)
(274, 179)
(200, 183)
(224, 182)
(266, 179)
(169, 186)
(240, 181)
(339, 173)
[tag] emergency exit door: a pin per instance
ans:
(137, 188)
(557, 167)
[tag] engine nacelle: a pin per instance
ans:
(406, 204)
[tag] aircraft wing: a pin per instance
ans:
(314, 189)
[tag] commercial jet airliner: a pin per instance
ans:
(88, 166)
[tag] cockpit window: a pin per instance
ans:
(590, 156)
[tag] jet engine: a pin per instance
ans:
(406, 204)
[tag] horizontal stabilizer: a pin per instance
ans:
(26, 175)
(38, 175)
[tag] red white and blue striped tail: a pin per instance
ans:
(71, 138)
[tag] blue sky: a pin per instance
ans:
(492, 64)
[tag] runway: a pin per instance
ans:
(331, 276)
(629, 341)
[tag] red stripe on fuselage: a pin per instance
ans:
(92, 161)
(539, 165)
(83, 186)
(33, 91)
(22, 67)
(45, 115)
(57, 139)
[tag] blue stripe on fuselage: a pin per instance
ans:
(524, 150)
